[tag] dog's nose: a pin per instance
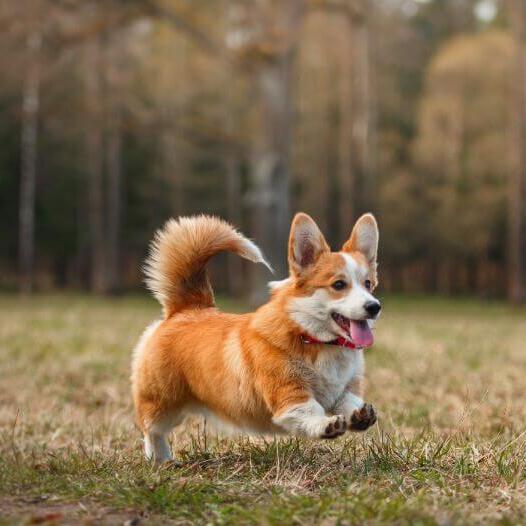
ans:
(372, 307)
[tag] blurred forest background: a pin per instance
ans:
(117, 114)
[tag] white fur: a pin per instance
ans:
(306, 419)
(348, 404)
(352, 304)
(214, 422)
(156, 446)
(337, 369)
(252, 252)
(275, 285)
(333, 371)
(313, 313)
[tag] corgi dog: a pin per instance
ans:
(294, 366)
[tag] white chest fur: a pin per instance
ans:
(335, 368)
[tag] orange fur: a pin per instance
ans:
(247, 369)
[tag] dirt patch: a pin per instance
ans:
(49, 511)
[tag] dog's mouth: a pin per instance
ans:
(358, 331)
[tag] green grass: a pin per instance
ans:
(447, 378)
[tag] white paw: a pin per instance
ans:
(334, 427)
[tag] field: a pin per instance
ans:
(447, 378)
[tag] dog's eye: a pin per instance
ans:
(339, 285)
(367, 284)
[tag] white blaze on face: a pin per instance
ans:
(313, 313)
(352, 304)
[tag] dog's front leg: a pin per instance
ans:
(308, 418)
(359, 415)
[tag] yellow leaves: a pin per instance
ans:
(465, 100)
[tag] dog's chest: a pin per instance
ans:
(334, 369)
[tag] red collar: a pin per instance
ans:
(340, 342)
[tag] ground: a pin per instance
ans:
(446, 377)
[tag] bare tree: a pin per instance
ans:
(516, 189)
(361, 97)
(95, 164)
(30, 114)
(113, 71)
(234, 208)
(346, 169)
(234, 201)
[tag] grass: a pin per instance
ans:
(447, 378)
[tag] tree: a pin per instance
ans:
(355, 115)
(113, 70)
(30, 116)
(362, 103)
(95, 163)
(462, 127)
(267, 42)
(517, 178)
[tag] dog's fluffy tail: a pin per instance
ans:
(175, 269)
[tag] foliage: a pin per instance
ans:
(398, 107)
(462, 143)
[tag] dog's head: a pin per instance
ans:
(330, 294)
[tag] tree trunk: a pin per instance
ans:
(233, 190)
(94, 166)
(173, 168)
(270, 170)
(114, 171)
(361, 103)
(114, 201)
(29, 138)
(270, 199)
(234, 199)
(516, 187)
(346, 176)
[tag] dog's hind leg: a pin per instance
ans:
(156, 446)
(156, 426)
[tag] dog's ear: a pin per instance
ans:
(306, 244)
(364, 238)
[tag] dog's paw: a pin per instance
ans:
(336, 426)
(363, 418)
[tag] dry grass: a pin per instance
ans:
(448, 379)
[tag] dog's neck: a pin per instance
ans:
(338, 342)
(273, 323)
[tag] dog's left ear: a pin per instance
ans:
(306, 244)
(364, 238)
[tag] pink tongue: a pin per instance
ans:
(361, 334)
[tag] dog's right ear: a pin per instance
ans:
(306, 244)
(364, 238)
